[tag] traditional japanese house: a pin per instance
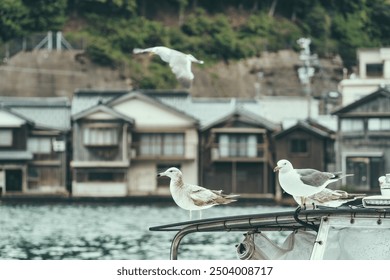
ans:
(307, 144)
(121, 140)
(237, 154)
(363, 146)
(34, 137)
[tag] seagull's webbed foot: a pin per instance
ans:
(313, 205)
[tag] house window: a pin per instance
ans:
(378, 124)
(167, 144)
(100, 136)
(374, 69)
(39, 145)
(349, 125)
(100, 176)
(299, 146)
(238, 145)
(6, 137)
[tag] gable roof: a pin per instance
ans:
(209, 110)
(206, 110)
(43, 112)
(3, 123)
(102, 108)
(155, 102)
(385, 92)
(84, 99)
(309, 126)
(246, 116)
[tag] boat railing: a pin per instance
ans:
(273, 221)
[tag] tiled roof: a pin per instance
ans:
(45, 112)
(208, 110)
(274, 109)
(47, 117)
(307, 125)
(84, 99)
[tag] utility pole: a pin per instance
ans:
(306, 71)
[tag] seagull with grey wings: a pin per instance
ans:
(304, 182)
(193, 197)
(179, 62)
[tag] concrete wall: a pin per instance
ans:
(43, 73)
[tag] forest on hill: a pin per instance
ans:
(218, 30)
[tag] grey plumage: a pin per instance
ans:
(192, 197)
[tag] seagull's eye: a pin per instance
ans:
(170, 170)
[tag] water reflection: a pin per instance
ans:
(107, 231)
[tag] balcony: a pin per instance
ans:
(163, 153)
(239, 153)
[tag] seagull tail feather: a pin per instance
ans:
(227, 198)
(339, 175)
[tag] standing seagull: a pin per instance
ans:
(304, 182)
(179, 62)
(192, 197)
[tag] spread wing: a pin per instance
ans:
(179, 62)
(314, 177)
(181, 67)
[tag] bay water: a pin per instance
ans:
(109, 231)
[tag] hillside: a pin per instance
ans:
(236, 38)
(279, 76)
(42, 73)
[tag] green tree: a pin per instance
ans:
(269, 33)
(318, 26)
(12, 18)
(351, 33)
(44, 15)
(120, 8)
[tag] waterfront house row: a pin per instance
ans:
(34, 147)
(113, 143)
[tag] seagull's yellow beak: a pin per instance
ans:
(277, 168)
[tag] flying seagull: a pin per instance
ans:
(179, 62)
(192, 197)
(329, 198)
(304, 182)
